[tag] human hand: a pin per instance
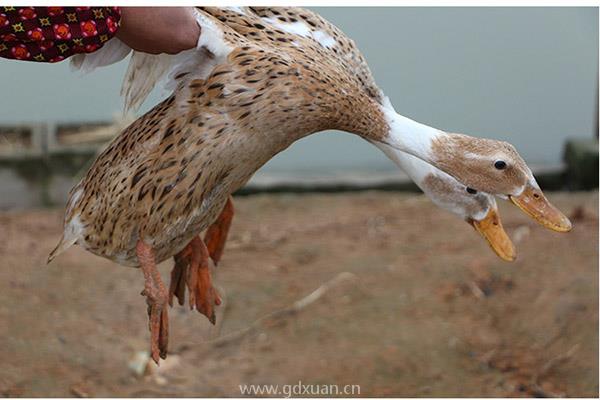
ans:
(158, 30)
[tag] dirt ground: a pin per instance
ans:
(427, 310)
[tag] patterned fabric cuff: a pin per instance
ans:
(51, 34)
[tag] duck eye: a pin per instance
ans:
(471, 190)
(500, 164)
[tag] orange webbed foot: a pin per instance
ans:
(203, 296)
(192, 269)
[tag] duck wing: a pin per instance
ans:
(329, 39)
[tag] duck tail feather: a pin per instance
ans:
(63, 245)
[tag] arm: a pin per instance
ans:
(157, 30)
(51, 34)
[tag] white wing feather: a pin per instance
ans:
(112, 52)
(143, 73)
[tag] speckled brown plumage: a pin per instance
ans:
(166, 177)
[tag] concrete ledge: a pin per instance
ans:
(292, 182)
(30, 181)
(581, 159)
(39, 167)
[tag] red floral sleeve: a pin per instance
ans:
(51, 34)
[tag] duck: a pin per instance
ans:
(259, 79)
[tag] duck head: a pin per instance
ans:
(496, 167)
(477, 208)
(485, 165)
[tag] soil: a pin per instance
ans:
(429, 309)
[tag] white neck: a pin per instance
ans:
(410, 136)
(415, 168)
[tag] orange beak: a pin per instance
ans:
(492, 230)
(533, 202)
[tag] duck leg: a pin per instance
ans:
(192, 269)
(215, 238)
(202, 293)
(156, 298)
(178, 275)
(216, 234)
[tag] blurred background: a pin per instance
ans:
(525, 75)
(426, 309)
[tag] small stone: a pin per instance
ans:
(521, 233)
(139, 363)
(263, 337)
(80, 390)
(159, 373)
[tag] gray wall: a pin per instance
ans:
(526, 75)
